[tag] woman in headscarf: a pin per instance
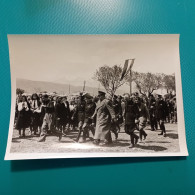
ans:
(23, 115)
(35, 107)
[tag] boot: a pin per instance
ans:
(23, 133)
(145, 134)
(42, 139)
(140, 135)
(60, 137)
(131, 145)
(161, 133)
(96, 142)
(136, 138)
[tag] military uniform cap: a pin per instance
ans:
(88, 96)
(101, 93)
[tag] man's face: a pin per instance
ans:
(64, 99)
(136, 100)
(101, 97)
(86, 100)
(23, 99)
(126, 97)
(34, 97)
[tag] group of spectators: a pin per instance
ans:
(94, 118)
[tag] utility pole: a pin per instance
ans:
(69, 89)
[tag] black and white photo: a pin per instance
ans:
(95, 96)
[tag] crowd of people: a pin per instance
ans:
(94, 118)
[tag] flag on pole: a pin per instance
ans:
(132, 62)
(126, 69)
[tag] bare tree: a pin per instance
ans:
(110, 78)
(19, 91)
(146, 83)
(169, 82)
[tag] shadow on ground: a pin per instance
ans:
(153, 148)
(172, 135)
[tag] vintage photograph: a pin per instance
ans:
(95, 96)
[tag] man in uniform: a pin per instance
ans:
(152, 109)
(79, 113)
(118, 112)
(143, 117)
(161, 114)
(89, 111)
(104, 116)
(131, 113)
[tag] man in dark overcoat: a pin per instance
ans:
(161, 114)
(104, 116)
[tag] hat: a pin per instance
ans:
(45, 96)
(88, 96)
(101, 93)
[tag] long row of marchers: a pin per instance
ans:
(93, 119)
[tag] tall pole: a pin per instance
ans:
(130, 81)
(84, 86)
(98, 86)
(130, 75)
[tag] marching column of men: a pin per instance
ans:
(99, 116)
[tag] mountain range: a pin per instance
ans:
(30, 86)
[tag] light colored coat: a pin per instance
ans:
(105, 113)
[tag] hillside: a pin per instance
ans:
(37, 86)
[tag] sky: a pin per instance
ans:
(71, 59)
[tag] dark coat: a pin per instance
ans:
(79, 112)
(61, 113)
(23, 120)
(152, 108)
(143, 110)
(160, 110)
(104, 113)
(118, 111)
(131, 113)
(89, 111)
(35, 116)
